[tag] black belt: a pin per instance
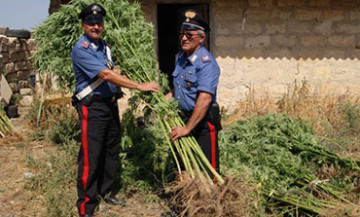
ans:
(185, 114)
(104, 99)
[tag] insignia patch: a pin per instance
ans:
(190, 14)
(205, 58)
(193, 58)
(95, 9)
(85, 44)
(190, 72)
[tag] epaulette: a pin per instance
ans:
(193, 58)
(85, 44)
(205, 58)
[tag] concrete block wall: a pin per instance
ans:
(266, 45)
(16, 65)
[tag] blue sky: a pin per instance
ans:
(23, 14)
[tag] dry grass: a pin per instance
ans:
(329, 114)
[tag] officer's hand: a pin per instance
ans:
(177, 132)
(149, 86)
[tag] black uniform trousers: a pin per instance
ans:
(99, 152)
(206, 134)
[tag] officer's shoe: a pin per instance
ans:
(86, 215)
(114, 201)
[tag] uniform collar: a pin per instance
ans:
(196, 55)
(92, 43)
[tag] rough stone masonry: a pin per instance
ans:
(16, 65)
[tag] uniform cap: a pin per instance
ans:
(93, 9)
(192, 20)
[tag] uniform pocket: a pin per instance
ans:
(191, 81)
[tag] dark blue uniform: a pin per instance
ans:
(199, 72)
(100, 125)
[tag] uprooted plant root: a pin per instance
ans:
(194, 198)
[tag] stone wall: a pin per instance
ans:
(265, 45)
(268, 44)
(16, 65)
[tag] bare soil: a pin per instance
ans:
(15, 200)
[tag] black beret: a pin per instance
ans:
(192, 20)
(95, 9)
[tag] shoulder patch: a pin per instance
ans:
(193, 58)
(205, 58)
(85, 44)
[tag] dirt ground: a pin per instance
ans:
(15, 200)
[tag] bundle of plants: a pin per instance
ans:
(237, 197)
(131, 41)
(275, 148)
(146, 161)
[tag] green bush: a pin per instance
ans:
(65, 130)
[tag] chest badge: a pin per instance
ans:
(190, 72)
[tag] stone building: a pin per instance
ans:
(265, 45)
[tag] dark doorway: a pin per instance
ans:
(169, 22)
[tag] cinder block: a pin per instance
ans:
(261, 3)
(307, 15)
(290, 3)
(259, 41)
(319, 3)
(228, 42)
(257, 15)
(355, 14)
(342, 40)
(312, 41)
(334, 15)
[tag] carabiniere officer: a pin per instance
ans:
(95, 102)
(196, 77)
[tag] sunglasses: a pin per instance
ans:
(188, 35)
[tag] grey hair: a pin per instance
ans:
(201, 32)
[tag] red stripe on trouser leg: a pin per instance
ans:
(86, 157)
(212, 136)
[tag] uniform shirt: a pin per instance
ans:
(89, 59)
(198, 72)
